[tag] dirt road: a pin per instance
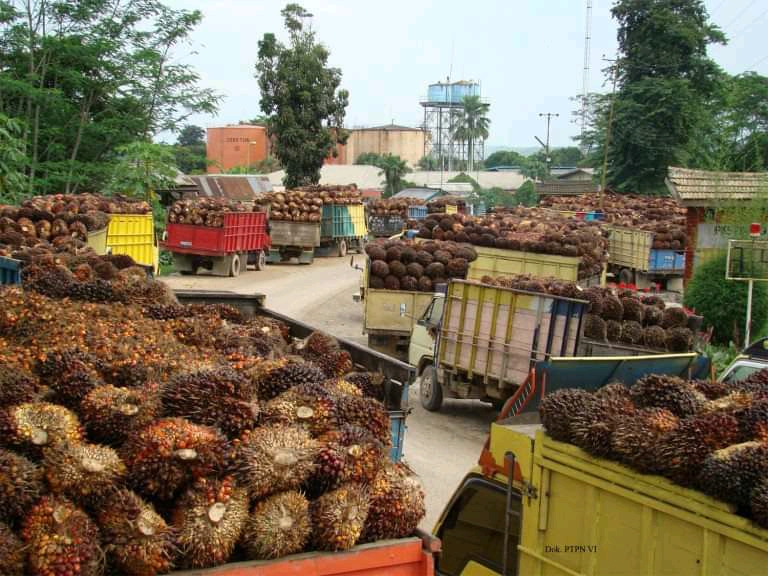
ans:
(440, 447)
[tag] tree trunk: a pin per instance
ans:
(84, 110)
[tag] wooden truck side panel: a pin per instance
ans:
(285, 233)
(593, 516)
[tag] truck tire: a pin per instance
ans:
(342, 245)
(261, 260)
(430, 392)
(626, 276)
(234, 265)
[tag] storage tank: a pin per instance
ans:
(439, 93)
(462, 89)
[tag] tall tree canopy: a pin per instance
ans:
(86, 78)
(301, 98)
(472, 125)
(190, 150)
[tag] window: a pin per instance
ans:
(740, 373)
(434, 312)
(473, 530)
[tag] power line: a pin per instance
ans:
(748, 26)
(740, 14)
(763, 59)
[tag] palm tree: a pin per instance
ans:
(473, 125)
(393, 168)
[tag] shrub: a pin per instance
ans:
(723, 303)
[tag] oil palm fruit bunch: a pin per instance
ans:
(558, 410)
(12, 553)
(655, 337)
(294, 372)
(362, 454)
(397, 504)
(613, 330)
(324, 351)
(612, 308)
(219, 397)
(33, 425)
(670, 392)
(674, 317)
(634, 438)
(366, 413)
(71, 375)
(338, 517)
(756, 383)
(327, 470)
(341, 386)
(17, 385)
(275, 458)
(278, 526)
(170, 453)
(61, 540)
(759, 503)
(111, 414)
(681, 453)
(209, 519)
(712, 390)
(137, 540)
(21, 484)
(592, 428)
(309, 406)
(731, 474)
(754, 420)
(371, 384)
(84, 473)
(595, 328)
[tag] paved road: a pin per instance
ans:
(440, 447)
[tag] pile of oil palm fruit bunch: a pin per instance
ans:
(663, 216)
(528, 230)
(207, 212)
(416, 266)
(700, 434)
(393, 206)
(618, 316)
(438, 205)
(305, 204)
(145, 436)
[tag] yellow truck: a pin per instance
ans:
(537, 507)
(632, 259)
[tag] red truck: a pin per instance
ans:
(225, 251)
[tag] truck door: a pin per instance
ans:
(473, 530)
(424, 333)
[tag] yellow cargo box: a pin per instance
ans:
(501, 262)
(134, 235)
(357, 214)
(98, 241)
(629, 248)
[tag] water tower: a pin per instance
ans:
(442, 111)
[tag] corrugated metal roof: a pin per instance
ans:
(365, 177)
(572, 172)
(505, 180)
(420, 193)
(232, 186)
(387, 127)
(703, 187)
(565, 187)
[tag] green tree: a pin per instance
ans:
(85, 78)
(190, 150)
(526, 194)
(393, 168)
(13, 161)
(300, 97)
(504, 158)
(746, 120)
(141, 168)
(472, 125)
(428, 163)
(370, 159)
(723, 303)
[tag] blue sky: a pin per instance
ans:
(527, 55)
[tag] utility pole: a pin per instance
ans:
(548, 116)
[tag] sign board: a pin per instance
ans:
(747, 260)
(715, 235)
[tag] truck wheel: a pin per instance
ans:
(430, 392)
(234, 265)
(261, 260)
(342, 248)
(626, 276)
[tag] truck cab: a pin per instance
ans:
(753, 359)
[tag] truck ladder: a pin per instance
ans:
(516, 403)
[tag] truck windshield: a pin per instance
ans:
(741, 372)
(473, 530)
(434, 312)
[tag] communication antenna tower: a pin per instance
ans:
(585, 77)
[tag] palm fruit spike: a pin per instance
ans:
(209, 519)
(397, 504)
(759, 503)
(635, 437)
(557, 411)
(21, 484)
(137, 540)
(309, 406)
(371, 383)
(338, 517)
(592, 428)
(33, 425)
(12, 553)
(366, 413)
(16, 385)
(754, 420)
(282, 378)
(61, 540)
(337, 386)
(275, 458)
(730, 474)
(171, 452)
(111, 414)
(85, 473)
(277, 527)
(670, 392)
(680, 453)
(362, 454)
(71, 374)
(328, 470)
(219, 397)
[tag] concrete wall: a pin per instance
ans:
(408, 144)
(232, 146)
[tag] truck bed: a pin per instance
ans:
(595, 516)
(405, 557)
